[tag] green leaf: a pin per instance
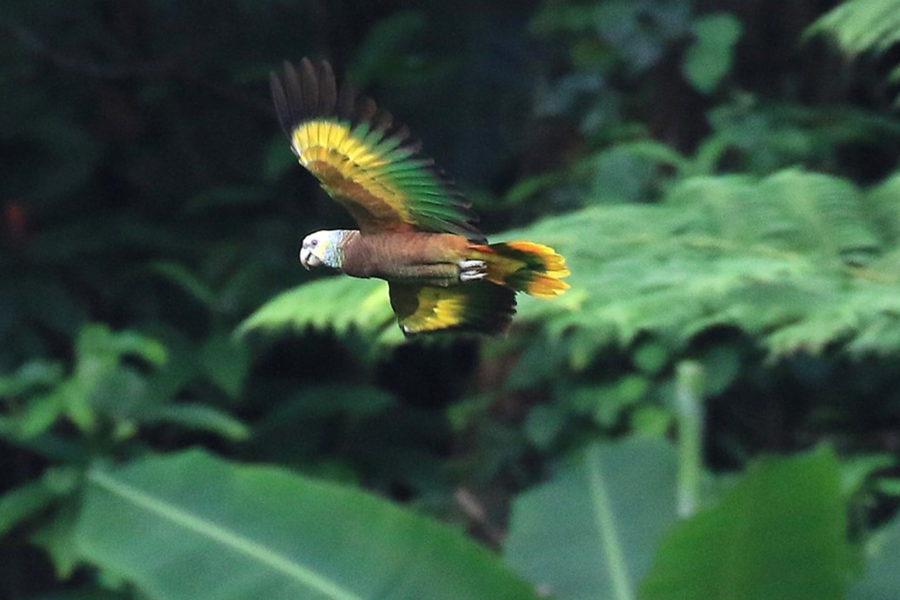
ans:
(330, 400)
(226, 360)
(35, 374)
(651, 421)
(193, 526)
(607, 402)
(709, 58)
(779, 533)
(721, 366)
(650, 357)
(857, 470)
(889, 486)
(860, 25)
(97, 343)
(40, 413)
(881, 578)
(384, 46)
(22, 502)
(183, 278)
(544, 424)
(591, 531)
(81, 594)
(196, 416)
(57, 539)
(278, 158)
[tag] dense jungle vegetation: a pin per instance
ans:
(711, 411)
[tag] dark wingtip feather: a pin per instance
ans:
(294, 92)
(346, 101)
(415, 147)
(310, 84)
(383, 121)
(327, 89)
(401, 134)
(282, 109)
(365, 109)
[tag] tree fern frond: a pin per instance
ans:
(861, 25)
(826, 210)
(793, 259)
(337, 303)
(883, 207)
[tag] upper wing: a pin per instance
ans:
(478, 306)
(363, 159)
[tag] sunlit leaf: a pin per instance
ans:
(192, 526)
(602, 514)
(779, 533)
(881, 577)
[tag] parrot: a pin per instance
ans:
(416, 230)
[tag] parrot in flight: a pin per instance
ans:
(415, 228)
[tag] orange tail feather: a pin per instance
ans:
(525, 267)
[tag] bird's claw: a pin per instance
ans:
(472, 270)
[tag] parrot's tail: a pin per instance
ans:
(525, 267)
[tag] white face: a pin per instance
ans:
(319, 249)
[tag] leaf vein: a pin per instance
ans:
(238, 543)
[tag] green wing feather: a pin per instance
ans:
(363, 159)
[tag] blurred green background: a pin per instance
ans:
(712, 411)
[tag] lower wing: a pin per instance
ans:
(478, 306)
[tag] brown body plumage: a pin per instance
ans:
(431, 258)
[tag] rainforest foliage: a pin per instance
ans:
(711, 411)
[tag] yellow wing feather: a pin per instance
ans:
(477, 306)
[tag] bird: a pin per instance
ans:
(416, 230)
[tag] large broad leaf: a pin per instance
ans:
(81, 594)
(592, 530)
(194, 527)
(881, 580)
(780, 533)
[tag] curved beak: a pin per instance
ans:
(305, 253)
(308, 259)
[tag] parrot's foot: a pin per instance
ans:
(472, 270)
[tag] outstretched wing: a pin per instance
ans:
(478, 306)
(363, 159)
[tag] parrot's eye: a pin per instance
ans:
(314, 243)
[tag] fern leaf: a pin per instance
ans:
(861, 25)
(802, 261)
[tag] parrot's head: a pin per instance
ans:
(322, 249)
